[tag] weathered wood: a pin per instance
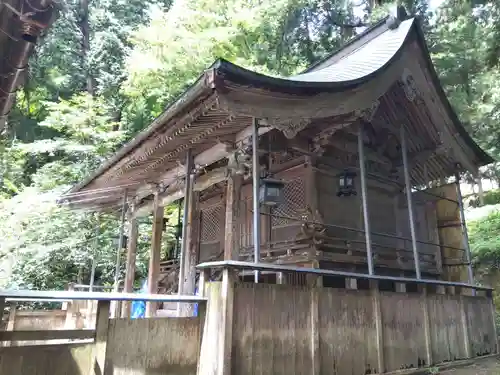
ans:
(233, 197)
(465, 328)
(315, 328)
(66, 359)
(152, 346)
(101, 339)
(192, 247)
(130, 265)
(427, 326)
(60, 334)
(154, 257)
(225, 355)
(377, 316)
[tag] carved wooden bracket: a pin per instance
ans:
(289, 127)
(368, 113)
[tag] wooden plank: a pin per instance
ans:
(153, 346)
(377, 316)
(101, 338)
(130, 265)
(31, 335)
(154, 257)
(315, 349)
(403, 337)
(427, 326)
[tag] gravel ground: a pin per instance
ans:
(487, 366)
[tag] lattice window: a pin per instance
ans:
(294, 202)
(211, 223)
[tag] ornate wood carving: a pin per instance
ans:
(368, 113)
(290, 127)
(409, 85)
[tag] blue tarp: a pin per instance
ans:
(139, 307)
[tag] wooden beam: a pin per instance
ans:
(35, 335)
(101, 338)
(176, 191)
(154, 258)
(130, 265)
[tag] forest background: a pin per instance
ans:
(107, 68)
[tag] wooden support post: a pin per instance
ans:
(202, 307)
(440, 289)
(281, 278)
(192, 248)
(130, 266)
(154, 259)
(315, 350)
(379, 329)
(465, 327)
(493, 321)
(226, 333)
(101, 338)
(427, 325)
(233, 197)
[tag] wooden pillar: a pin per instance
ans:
(233, 197)
(192, 252)
(154, 259)
(493, 314)
(379, 329)
(101, 338)
(2, 306)
(130, 265)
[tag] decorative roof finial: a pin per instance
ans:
(398, 14)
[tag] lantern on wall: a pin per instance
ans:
(346, 183)
(271, 192)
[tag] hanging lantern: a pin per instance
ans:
(271, 192)
(116, 241)
(165, 224)
(346, 183)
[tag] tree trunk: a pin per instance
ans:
(480, 192)
(85, 30)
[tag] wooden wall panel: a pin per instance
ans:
(272, 328)
(167, 346)
(46, 360)
(447, 336)
(482, 338)
(347, 332)
(403, 336)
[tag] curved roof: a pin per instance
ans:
(226, 97)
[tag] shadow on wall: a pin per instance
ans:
(46, 359)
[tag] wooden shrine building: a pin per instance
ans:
(354, 157)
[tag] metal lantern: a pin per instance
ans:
(346, 183)
(271, 192)
(116, 241)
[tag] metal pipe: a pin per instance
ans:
(409, 202)
(120, 242)
(255, 190)
(273, 267)
(188, 191)
(465, 233)
(364, 198)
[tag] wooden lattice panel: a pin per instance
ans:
(212, 221)
(293, 203)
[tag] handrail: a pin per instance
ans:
(322, 272)
(99, 296)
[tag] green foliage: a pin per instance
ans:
(485, 241)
